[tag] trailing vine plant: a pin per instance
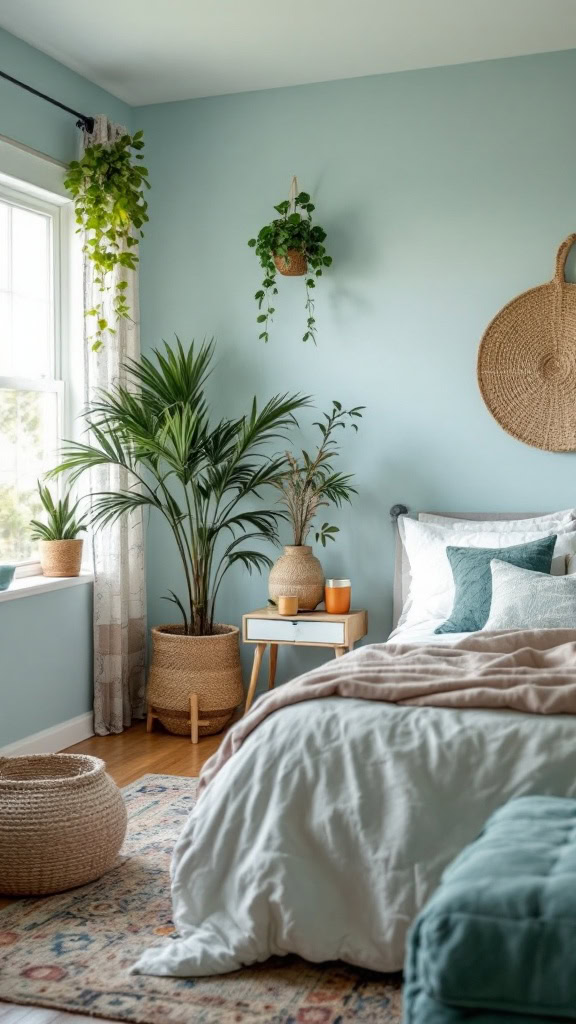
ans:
(291, 232)
(108, 188)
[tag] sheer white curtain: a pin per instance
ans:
(118, 550)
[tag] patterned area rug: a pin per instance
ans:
(72, 952)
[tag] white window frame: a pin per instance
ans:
(26, 194)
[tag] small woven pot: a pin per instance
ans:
(62, 822)
(293, 264)
(206, 665)
(297, 572)
(61, 557)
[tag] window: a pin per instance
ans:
(31, 386)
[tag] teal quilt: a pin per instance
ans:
(499, 935)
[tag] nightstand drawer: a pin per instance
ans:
(295, 631)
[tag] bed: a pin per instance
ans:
(323, 827)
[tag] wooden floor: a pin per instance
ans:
(128, 756)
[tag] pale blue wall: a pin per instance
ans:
(29, 120)
(46, 641)
(444, 193)
(45, 660)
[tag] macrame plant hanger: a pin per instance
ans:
(293, 193)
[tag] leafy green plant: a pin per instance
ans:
(108, 189)
(292, 230)
(311, 482)
(63, 521)
(197, 474)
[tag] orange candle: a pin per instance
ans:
(337, 596)
(288, 605)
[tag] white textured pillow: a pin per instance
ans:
(534, 523)
(431, 594)
(523, 599)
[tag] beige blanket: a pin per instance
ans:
(523, 670)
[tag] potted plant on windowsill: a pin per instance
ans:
(60, 546)
(310, 484)
(200, 475)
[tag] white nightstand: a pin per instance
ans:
(306, 629)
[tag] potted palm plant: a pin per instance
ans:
(309, 484)
(200, 476)
(60, 546)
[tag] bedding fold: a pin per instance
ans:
(522, 670)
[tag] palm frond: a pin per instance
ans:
(176, 600)
(272, 422)
(250, 560)
(109, 506)
(155, 431)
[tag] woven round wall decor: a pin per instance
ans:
(527, 363)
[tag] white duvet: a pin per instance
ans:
(329, 828)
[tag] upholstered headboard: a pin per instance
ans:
(402, 568)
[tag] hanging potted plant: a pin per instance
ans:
(294, 247)
(60, 546)
(108, 188)
(200, 476)
(309, 484)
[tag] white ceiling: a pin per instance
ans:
(152, 51)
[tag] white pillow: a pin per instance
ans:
(523, 599)
(534, 523)
(431, 594)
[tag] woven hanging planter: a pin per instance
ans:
(527, 363)
(293, 264)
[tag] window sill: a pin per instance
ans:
(28, 586)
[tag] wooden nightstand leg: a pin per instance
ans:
(258, 653)
(194, 718)
(149, 719)
(273, 656)
(340, 651)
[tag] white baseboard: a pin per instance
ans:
(50, 741)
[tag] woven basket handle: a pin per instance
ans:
(562, 256)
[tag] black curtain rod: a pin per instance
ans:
(83, 122)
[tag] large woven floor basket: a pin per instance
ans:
(207, 666)
(62, 822)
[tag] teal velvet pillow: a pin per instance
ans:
(473, 579)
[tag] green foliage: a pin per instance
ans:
(108, 189)
(63, 521)
(311, 482)
(200, 475)
(21, 443)
(16, 511)
(290, 231)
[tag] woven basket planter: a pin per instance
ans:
(297, 573)
(293, 264)
(61, 557)
(208, 666)
(62, 822)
